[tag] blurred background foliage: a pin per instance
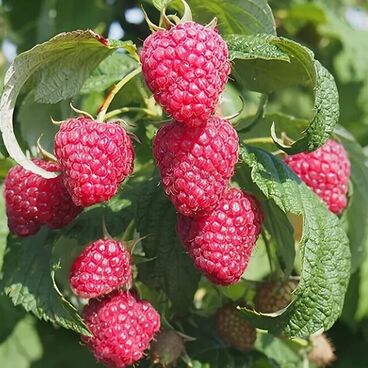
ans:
(336, 30)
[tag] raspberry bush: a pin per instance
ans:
(198, 197)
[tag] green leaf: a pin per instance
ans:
(55, 70)
(235, 16)
(356, 305)
(5, 165)
(3, 151)
(116, 213)
(282, 234)
(254, 47)
(259, 133)
(357, 220)
(326, 106)
(27, 279)
(171, 270)
(320, 294)
(13, 315)
(56, 342)
(22, 347)
(362, 307)
(278, 63)
(112, 69)
(282, 351)
(161, 4)
(266, 63)
(35, 121)
(277, 224)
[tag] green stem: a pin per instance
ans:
(303, 343)
(305, 361)
(105, 232)
(258, 140)
(103, 109)
(268, 250)
(129, 109)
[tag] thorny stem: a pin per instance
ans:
(103, 109)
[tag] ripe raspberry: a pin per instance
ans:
(326, 171)
(272, 296)
(196, 164)
(33, 201)
(102, 266)
(167, 348)
(221, 243)
(122, 327)
(323, 351)
(186, 68)
(96, 158)
(234, 329)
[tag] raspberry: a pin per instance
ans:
(167, 348)
(221, 243)
(96, 158)
(323, 351)
(33, 201)
(186, 68)
(326, 171)
(122, 327)
(102, 266)
(234, 329)
(196, 164)
(272, 296)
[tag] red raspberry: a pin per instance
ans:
(196, 164)
(96, 158)
(326, 171)
(33, 201)
(186, 68)
(221, 243)
(103, 266)
(122, 328)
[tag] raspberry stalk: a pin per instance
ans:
(104, 107)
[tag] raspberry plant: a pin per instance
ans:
(198, 185)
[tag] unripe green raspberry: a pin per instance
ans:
(272, 296)
(234, 329)
(167, 348)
